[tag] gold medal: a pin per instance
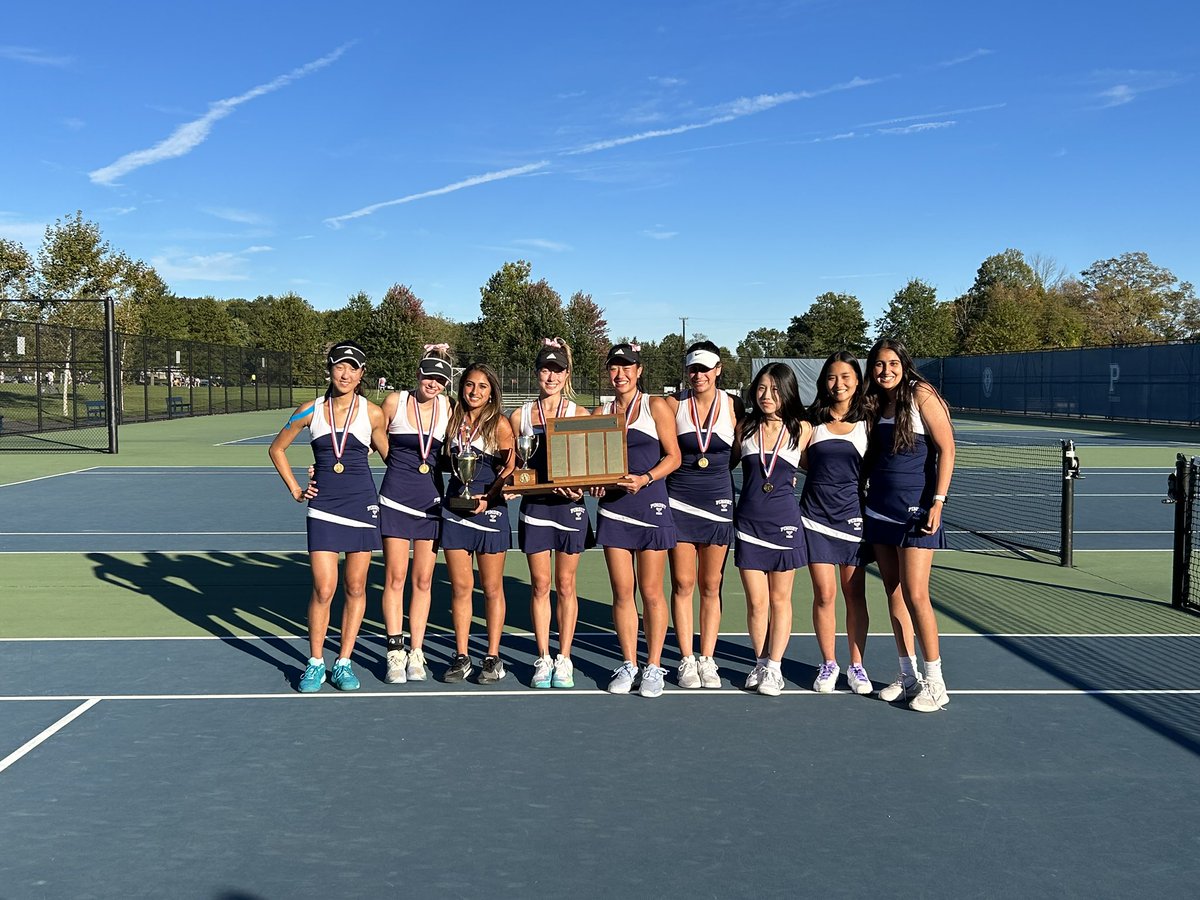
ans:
(768, 487)
(423, 468)
(339, 468)
(702, 462)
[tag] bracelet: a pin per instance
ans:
(940, 497)
(649, 479)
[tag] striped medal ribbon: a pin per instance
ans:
(762, 459)
(339, 449)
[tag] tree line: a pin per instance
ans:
(1015, 303)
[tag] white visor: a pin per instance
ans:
(705, 358)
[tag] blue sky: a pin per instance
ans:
(723, 161)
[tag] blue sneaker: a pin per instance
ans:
(543, 670)
(312, 679)
(343, 678)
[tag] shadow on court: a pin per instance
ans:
(989, 603)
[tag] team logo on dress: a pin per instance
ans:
(855, 523)
(658, 508)
(493, 515)
(914, 511)
(789, 531)
(373, 510)
(723, 505)
(578, 512)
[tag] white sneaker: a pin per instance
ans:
(397, 660)
(933, 697)
(755, 677)
(827, 677)
(905, 687)
(564, 673)
(859, 680)
(689, 674)
(543, 669)
(771, 683)
(709, 676)
(416, 666)
(652, 681)
(622, 678)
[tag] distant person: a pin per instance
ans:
(701, 497)
(770, 536)
(344, 516)
(634, 522)
(478, 421)
(553, 529)
(911, 463)
(410, 501)
(831, 510)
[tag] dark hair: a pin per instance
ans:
(358, 388)
(820, 411)
(493, 411)
(791, 409)
(906, 392)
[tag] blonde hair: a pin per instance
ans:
(568, 390)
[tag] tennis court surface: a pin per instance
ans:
(151, 742)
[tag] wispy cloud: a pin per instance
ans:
(543, 244)
(966, 57)
(856, 275)
(934, 115)
(73, 123)
(728, 112)
(120, 210)
(1126, 85)
(229, 214)
(338, 221)
(190, 135)
(841, 136)
(658, 234)
(918, 127)
(668, 81)
(229, 266)
(33, 56)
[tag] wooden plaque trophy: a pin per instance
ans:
(581, 452)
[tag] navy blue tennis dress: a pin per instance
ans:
(702, 495)
(900, 489)
(830, 506)
(488, 532)
(409, 499)
(550, 521)
(770, 535)
(640, 521)
(344, 516)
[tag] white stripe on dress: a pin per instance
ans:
(881, 517)
(415, 513)
(448, 516)
(617, 517)
(751, 539)
(338, 520)
(547, 523)
(697, 512)
(819, 528)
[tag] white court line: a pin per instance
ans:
(51, 731)
(44, 477)
(485, 693)
(253, 437)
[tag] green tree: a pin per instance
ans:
(1008, 270)
(1130, 299)
(395, 335)
(587, 332)
(349, 323)
(145, 305)
(764, 342)
(1011, 320)
(918, 320)
(289, 324)
(1063, 323)
(209, 321)
(16, 274)
(515, 313)
(75, 261)
(833, 322)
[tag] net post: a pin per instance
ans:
(1070, 471)
(1179, 492)
(110, 371)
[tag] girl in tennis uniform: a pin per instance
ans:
(554, 524)
(410, 508)
(344, 516)
(912, 461)
(770, 536)
(701, 492)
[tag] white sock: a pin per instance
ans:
(342, 661)
(933, 669)
(690, 656)
(908, 666)
(314, 661)
(773, 665)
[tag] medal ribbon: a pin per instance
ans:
(425, 446)
(562, 406)
(468, 434)
(634, 404)
(762, 459)
(704, 433)
(339, 449)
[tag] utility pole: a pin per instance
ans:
(683, 322)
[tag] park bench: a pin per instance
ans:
(177, 406)
(95, 409)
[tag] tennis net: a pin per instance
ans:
(1182, 486)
